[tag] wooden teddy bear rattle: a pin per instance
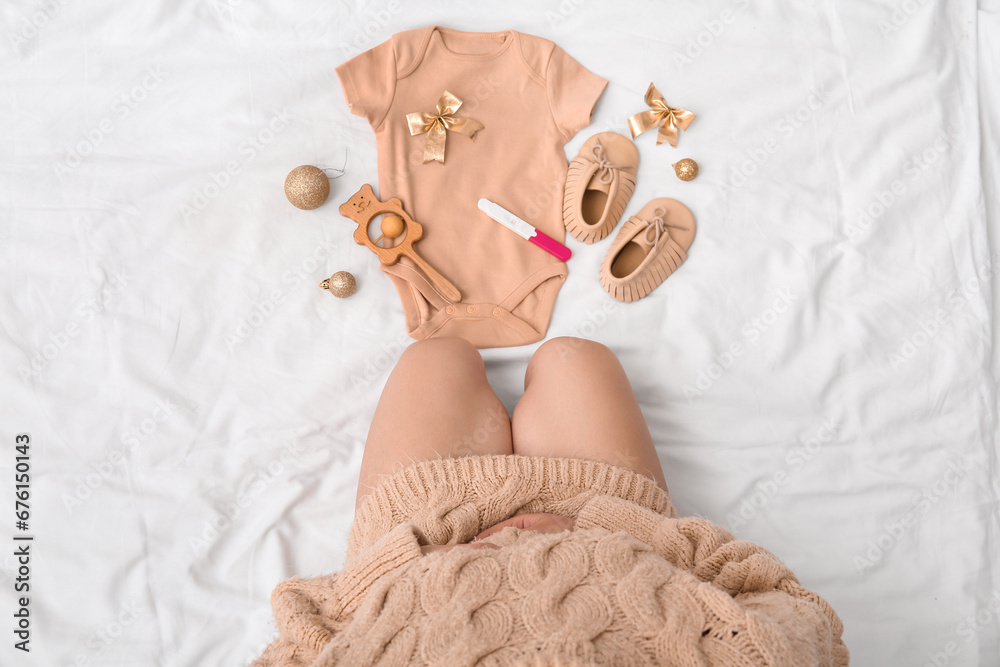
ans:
(363, 206)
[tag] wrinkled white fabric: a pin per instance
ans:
(819, 375)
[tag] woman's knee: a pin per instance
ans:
(569, 350)
(442, 355)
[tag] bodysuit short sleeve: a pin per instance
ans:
(573, 91)
(369, 82)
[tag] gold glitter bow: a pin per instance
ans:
(668, 118)
(438, 124)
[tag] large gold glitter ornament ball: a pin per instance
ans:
(307, 187)
(686, 169)
(340, 284)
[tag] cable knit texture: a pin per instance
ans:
(631, 584)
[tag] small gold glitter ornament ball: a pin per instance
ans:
(340, 284)
(307, 187)
(686, 169)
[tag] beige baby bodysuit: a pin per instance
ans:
(530, 98)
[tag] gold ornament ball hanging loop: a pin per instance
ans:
(307, 187)
(341, 284)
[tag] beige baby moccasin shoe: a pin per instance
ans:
(599, 183)
(649, 247)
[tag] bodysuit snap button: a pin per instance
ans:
(450, 310)
(497, 312)
(471, 309)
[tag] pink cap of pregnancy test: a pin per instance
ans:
(550, 245)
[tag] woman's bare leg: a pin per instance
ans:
(436, 403)
(578, 403)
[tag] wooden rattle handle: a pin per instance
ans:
(363, 206)
(444, 285)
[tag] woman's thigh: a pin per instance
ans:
(436, 403)
(578, 403)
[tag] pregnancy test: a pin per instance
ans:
(524, 230)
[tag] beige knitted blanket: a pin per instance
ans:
(631, 584)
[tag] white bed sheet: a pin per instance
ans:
(197, 407)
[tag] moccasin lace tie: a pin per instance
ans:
(658, 227)
(604, 175)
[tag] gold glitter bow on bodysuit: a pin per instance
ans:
(437, 125)
(669, 119)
